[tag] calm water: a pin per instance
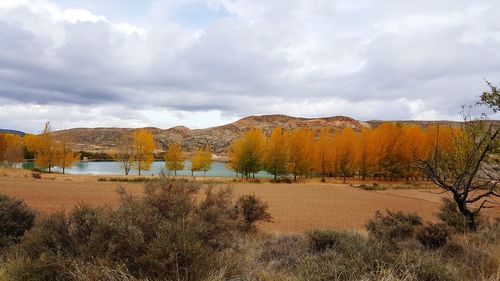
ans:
(219, 169)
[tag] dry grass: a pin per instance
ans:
(296, 208)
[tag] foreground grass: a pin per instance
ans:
(170, 234)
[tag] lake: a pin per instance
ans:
(219, 169)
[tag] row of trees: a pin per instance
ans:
(201, 160)
(134, 151)
(388, 151)
(47, 152)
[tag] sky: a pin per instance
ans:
(202, 63)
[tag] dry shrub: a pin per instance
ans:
(15, 219)
(434, 236)
(393, 226)
(166, 233)
(450, 215)
(252, 209)
(283, 252)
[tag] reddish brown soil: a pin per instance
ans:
(295, 207)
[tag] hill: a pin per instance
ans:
(219, 138)
(14, 132)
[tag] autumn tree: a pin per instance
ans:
(248, 153)
(44, 148)
(144, 146)
(300, 152)
(11, 149)
(276, 154)
(323, 154)
(413, 148)
(174, 158)
(345, 155)
(125, 151)
(234, 156)
(365, 153)
(65, 157)
(202, 160)
(387, 150)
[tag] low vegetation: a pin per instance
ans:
(182, 230)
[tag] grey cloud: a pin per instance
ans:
(295, 57)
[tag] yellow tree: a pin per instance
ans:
(202, 160)
(323, 153)
(11, 149)
(174, 158)
(65, 157)
(144, 146)
(252, 152)
(235, 153)
(300, 152)
(276, 154)
(125, 151)
(44, 148)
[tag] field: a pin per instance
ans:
(295, 207)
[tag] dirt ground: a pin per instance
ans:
(295, 207)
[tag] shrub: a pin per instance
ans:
(99, 271)
(49, 236)
(320, 240)
(37, 175)
(393, 226)
(433, 270)
(251, 209)
(450, 215)
(283, 252)
(434, 236)
(15, 219)
(169, 232)
(350, 257)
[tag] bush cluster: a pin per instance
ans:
(393, 226)
(169, 232)
(15, 219)
(434, 236)
(179, 231)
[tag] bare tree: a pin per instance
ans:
(125, 151)
(464, 168)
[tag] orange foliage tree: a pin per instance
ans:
(276, 154)
(323, 154)
(11, 149)
(65, 157)
(44, 148)
(300, 152)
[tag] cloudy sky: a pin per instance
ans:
(202, 63)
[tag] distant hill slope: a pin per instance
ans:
(14, 132)
(219, 138)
